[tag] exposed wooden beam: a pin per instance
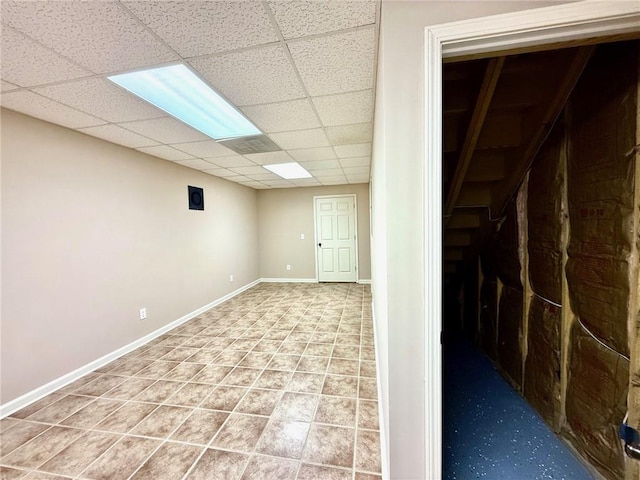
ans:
(489, 82)
(541, 130)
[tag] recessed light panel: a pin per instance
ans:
(288, 171)
(181, 93)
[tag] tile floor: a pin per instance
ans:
(277, 383)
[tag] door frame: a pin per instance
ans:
(355, 226)
(564, 25)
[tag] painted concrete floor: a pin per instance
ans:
(491, 432)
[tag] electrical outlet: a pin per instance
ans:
(231, 278)
(143, 313)
(288, 267)
(302, 236)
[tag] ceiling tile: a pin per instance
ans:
(328, 172)
(255, 170)
(6, 86)
(99, 35)
(213, 26)
(356, 170)
(264, 176)
(102, 99)
(166, 130)
(270, 158)
(303, 18)
(220, 172)
(355, 162)
(232, 161)
(253, 184)
(356, 150)
(312, 154)
(345, 108)
(166, 152)
(44, 108)
(358, 179)
(349, 134)
(205, 149)
(196, 163)
(237, 178)
(336, 64)
(253, 76)
(305, 182)
(321, 165)
(301, 139)
(279, 183)
(334, 180)
(27, 63)
(283, 117)
(116, 134)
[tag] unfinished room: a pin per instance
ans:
(326, 239)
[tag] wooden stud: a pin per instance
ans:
(542, 129)
(489, 82)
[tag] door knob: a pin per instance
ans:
(319, 244)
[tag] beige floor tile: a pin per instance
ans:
(336, 411)
(284, 438)
(240, 432)
(121, 460)
(171, 461)
(315, 472)
(200, 427)
(273, 379)
(126, 417)
(219, 465)
(80, 454)
(252, 387)
(340, 386)
(190, 395)
(7, 473)
(36, 452)
(368, 451)
(259, 401)
(296, 406)
(93, 413)
(224, 397)
(269, 468)
(19, 435)
(330, 445)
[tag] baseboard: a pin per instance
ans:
(364, 281)
(34, 395)
(289, 280)
(384, 452)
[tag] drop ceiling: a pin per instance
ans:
(302, 71)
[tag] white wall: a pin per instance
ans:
(285, 213)
(397, 198)
(92, 232)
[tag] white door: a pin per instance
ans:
(336, 238)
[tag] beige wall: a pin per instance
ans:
(92, 232)
(286, 213)
(398, 234)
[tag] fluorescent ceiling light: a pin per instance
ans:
(181, 93)
(288, 170)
